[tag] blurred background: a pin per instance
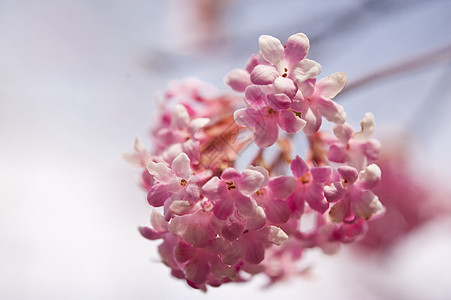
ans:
(77, 84)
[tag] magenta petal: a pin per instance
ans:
(157, 195)
(281, 187)
(263, 75)
(233, 231)
(266, 133)
(238, 79)
(289, 122)
(214, 189)
(277, 211)
(196, 235)
(286, 86)
(296, 47)
(255, 96)
(255, 253)
(196, 271)
(191, 148)
(235, 252)
(279, 101)
(184, 252)
(315, 198)
(321, 174)
(223, 208)
(149, 233)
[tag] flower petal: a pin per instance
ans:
(266, 133)
(289, 122)
(349, 174)
(223, 208)
(255, 96)
(276, 235)
(160, 171)
(271, 48)
(298, 167)
(238, 79)
(157, 195)
(286, 86)
(321, 174)
(331, 110)
(250, 182)
(296, 47)
(368, 126)
(278, 101)
(277, 211)
(255, 253)
(367, 205)
(370, 177)
(233, 231)
(282, 186)
(330, 86)
(196, 271)
(247, 117)
(304, 70)
(181, 166)
(180, 117)
(263, 75)
(196, 235)
(149, 233)
(343, 132)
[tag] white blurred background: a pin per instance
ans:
(77, 84)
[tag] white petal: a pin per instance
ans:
(276, 235)
(181, 166)
(271, 48)
(160, 171)
(250, 182)
(330, 86)
(305, 69)
(368, 126)
(196, 124)
(370, 177)
(180, 117)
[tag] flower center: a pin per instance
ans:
(285, 74)
(230, 185)
(183, 182)
(305, 178)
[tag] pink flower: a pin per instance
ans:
(266, 123)
(176, 188)
(287, 67)
(356, 149)
(310, 187)
(232, 192)
(314, 101)
(352, 196)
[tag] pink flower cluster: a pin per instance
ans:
(218, 223)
